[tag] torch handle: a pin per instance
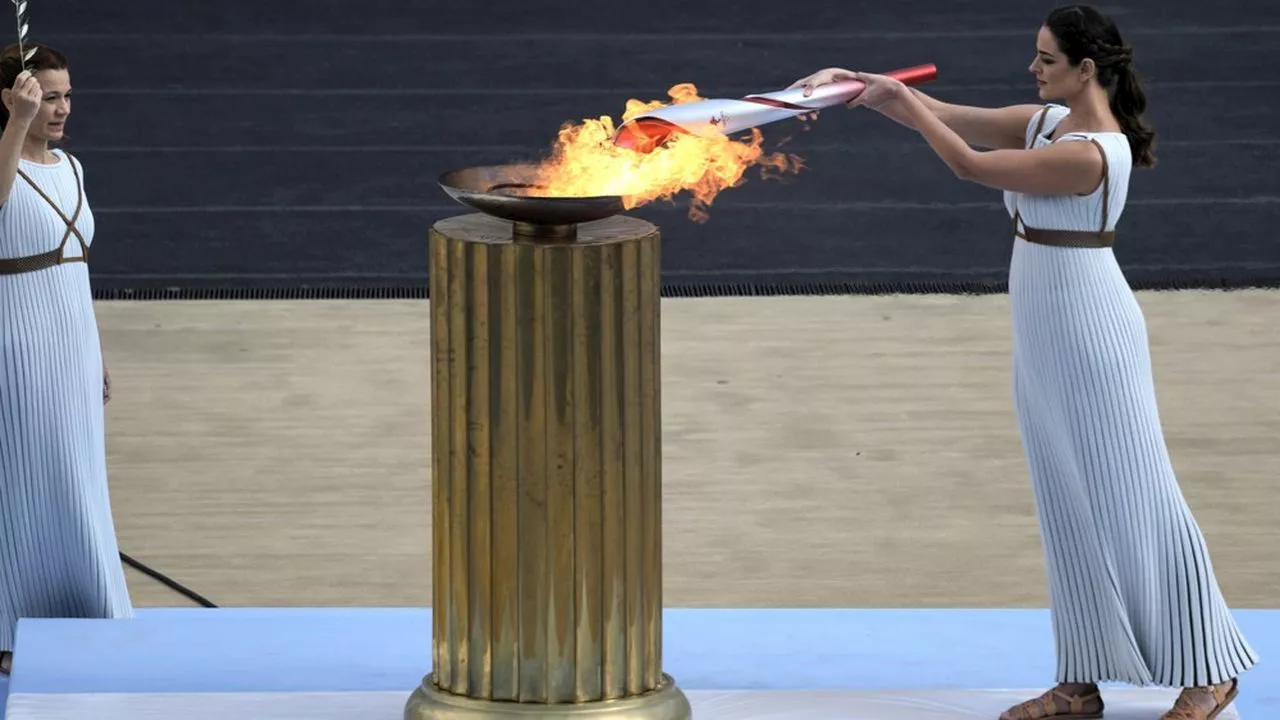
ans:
(915, 75)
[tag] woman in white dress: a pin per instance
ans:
(1132, 590)
(58, 552)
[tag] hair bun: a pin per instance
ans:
(1121, 57)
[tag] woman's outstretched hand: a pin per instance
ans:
(881, 89)
(822, 77)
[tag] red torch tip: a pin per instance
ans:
(916, 75)
(644, 134)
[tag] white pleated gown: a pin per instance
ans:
(1131, 585)
(58, 552)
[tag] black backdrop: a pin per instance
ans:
(296, 143)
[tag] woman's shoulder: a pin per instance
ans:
(64, 162)
(1044, 120)
(1056, 110)
(72, 160)
(67, 170)
(1115, 145)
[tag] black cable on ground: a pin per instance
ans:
(168, 582)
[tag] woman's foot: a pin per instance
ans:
(1202, 703)
(6, 662)
(1068, 701)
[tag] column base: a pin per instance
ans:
(665, 703)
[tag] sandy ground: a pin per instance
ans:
(840, 451)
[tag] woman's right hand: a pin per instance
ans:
(24, 98)
(823, 77)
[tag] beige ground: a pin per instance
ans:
(819, 451)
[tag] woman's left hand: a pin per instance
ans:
(106, 385)
(881, 90)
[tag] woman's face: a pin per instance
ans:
(1054, 74)
(50, 121)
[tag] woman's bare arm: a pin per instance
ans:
(22, 101)
(15, 134)
(993, 128)
(1057, 169)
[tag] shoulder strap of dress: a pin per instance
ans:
(1044, 113)
(1106, 183)
(1031, 141)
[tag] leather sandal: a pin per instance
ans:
(1057, 703)
(1203, 703)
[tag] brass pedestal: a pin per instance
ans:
(547, 474)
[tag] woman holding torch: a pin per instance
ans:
(1132, 589)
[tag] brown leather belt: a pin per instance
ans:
(31, 263)
(1068, 238)
(51, 258)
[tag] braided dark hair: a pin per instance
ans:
(1083, 31)
(44, 58)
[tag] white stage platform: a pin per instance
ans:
(1124, 704)
(348, 664)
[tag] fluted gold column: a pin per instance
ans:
(547, 474)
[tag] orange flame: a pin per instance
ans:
(584, 161)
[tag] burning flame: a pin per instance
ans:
(585, 162)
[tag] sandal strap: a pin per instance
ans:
(1186, 708)
(1075, 703)
(1047, 705)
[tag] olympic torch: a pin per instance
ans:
(726, 117)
